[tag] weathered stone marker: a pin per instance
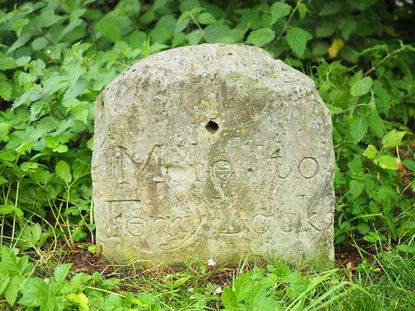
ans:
(213, 151)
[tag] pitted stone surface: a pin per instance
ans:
(213, 151)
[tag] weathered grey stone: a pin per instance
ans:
(213, 151)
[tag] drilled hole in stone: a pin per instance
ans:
(212, 126)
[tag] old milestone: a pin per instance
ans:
(213, 151)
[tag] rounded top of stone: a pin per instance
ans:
(217, 60)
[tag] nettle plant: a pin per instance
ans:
(57, 56)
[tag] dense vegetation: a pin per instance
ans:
(56, 56)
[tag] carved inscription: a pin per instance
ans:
(172, 232)
(307, 167)
(222, 170)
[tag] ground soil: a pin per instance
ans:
(347, 257)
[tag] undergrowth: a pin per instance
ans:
(56, 56)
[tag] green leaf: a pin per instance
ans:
(5, 90)
(19, 42)
(109, 27)
(62, 271)
(405, 248)
(80, 300)
(348, 27)
(356, 78)
(63, 171)
(206, 18)
(355, 188)
(297, 39)
(338, 177)
(370, 152)
(374, 50)
(358, 127)
(361, 87)
(79, 279)
(90, 143)
(26, 78)
(24, 60)
(181, 24)
(18, 25)
(3, 285)
(404, 67)
(386, 162)
(330, 8)
(356, 167)
(325, 29)
(362, 4)
(158, 4)
(229, 298)
(409, 164)
(3, 180)
(302, 9)
(261, 37)
(216, 33)
(160, 35)
(6, 209)
(27, 166)
(363, 228)
(39, 43)
(392, 139)
(48, 18)
(410, 48)
(195, 36)
(51, 142)
(30, 237)
(6, 62)
(278, 10)
(75, 14)
(188, 5)
(243, 285)
(35, 292)
(60, 149)
(13, 289)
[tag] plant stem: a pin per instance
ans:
(92, 69)
(51, 102)
(289, 20)
(350, 108)
(198, 26)
(383, 60)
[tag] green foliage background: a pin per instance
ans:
(57, 56)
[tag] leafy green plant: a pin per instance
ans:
(57, 56)
(282, 289)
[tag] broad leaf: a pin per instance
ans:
(370, 152)
(409, 164)
(261, 36)
(61, 272)
(229, 298)
(361, 87)
(358, 128)
(355, 188)
(302, 9)
(297, 39)
(206, 18)
(392, 139)
(278, 10)
(387, 162)
(109, 28)
(5, 90)
(35, 292)
(63, 171)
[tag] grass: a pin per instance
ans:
(376, 277)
